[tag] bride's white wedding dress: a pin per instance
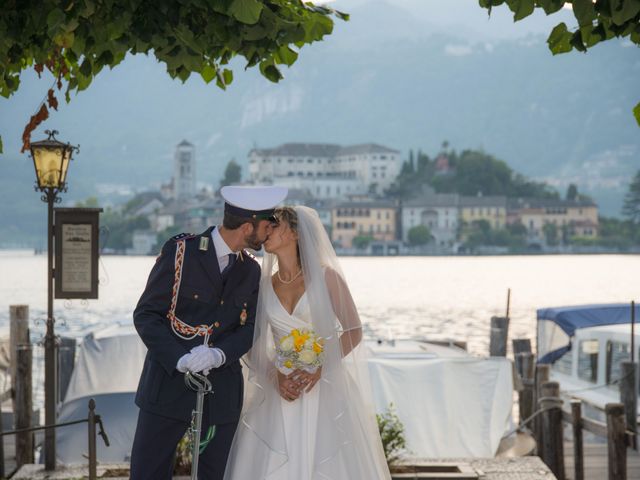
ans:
(299, 417)
(329, 433)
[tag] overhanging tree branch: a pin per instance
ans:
(76, 39)
(598, 21)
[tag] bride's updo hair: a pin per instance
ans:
(289, 216)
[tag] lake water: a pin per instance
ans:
(436, 297)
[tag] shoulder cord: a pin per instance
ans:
(180, 328)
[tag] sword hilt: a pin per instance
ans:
(198, 382)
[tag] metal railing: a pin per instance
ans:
(91, 420)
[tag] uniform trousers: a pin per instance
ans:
(155, 441)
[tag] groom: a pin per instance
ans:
(197, 314)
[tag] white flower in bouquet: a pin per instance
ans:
(307, 356)
(286, 343)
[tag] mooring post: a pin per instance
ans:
(542, 376)
(629, 397)
(526, 395)
(499, 335)
(18, 335)
(552, 438)
(578, 455)
(24, 402)
(616, 441)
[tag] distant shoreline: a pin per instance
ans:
(29, 252)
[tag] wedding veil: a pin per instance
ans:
(346, 436)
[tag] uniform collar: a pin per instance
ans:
(222, 249)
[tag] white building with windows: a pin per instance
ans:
(439, 212)
(326, 171)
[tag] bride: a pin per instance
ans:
(306, 423)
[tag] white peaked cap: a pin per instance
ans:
(253, 200)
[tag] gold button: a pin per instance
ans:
(221, 302)
(195, 296)
(217, 324)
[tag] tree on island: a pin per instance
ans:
(419, 235)
(551, 236)
(75, 40)
(232, 174)
(362, 241)
(598, 21)
(471, 172)
(631, 207)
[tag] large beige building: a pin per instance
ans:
(580, 217)
(492, 209)
(373, 219)
(326, 171)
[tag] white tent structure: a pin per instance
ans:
(452, 405)
(107, 369)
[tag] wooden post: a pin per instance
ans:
(552, 438)
(542, 376)
(578, 455)
(526, 396)
(629, 396)
(92, 440)
(24, 440)
(520, 345)
(1, 445)
(499, 335)
(616, 443)
(18, 335)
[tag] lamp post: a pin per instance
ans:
(51, 160)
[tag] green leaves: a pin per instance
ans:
(598, 21)
(286, 55)
(85, 68)
(246, 11)
(584, 11)
(208, 73)
(623, 11)
(55, 19)
(559, 40)
(520, 8)
(76, 39)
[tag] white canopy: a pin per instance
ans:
(457, 406)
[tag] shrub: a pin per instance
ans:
(392, 434)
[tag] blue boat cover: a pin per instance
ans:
(583, 316)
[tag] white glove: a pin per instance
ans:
(203, 359)
(183, 362)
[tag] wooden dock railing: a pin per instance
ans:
(540, 408)
(547, 421)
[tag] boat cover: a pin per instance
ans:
(557, 325)
(107, 369)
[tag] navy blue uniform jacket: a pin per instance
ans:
(203, 299)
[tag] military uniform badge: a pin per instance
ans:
(243, 315)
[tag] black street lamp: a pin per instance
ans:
(51, 160)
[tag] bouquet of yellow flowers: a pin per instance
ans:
(301, 349)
